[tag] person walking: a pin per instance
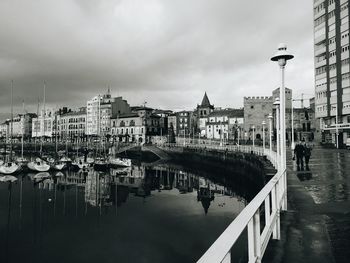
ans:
(299, 153)
(307, 155)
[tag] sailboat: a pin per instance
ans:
(38, 164)
(22, 160)
(10, 167)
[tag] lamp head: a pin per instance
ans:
(263, 123)
(282, 55)
(270, 116)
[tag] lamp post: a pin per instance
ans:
(263, 127)
(253, 127)
(270, 131)
(336, 126)
(277, 104)
(281, 57)
(292, 117)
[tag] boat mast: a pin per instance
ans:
(23, 129)
(56, 130)
(43, 126)
(36, 125)
(11, 128)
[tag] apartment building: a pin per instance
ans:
(332, 76)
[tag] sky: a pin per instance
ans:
(164, 52)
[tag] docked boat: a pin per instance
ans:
(22, 160)
(38, 165)
(81, 164)
(65, 159)
(8, 178)
(9, 168)
(90, 160)
(120, 162)
(59, 166)
(40, 177)
(100, 164)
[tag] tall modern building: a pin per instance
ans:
(332, 76)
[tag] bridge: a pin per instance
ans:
(261, 217)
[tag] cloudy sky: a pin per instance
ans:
(165, 52)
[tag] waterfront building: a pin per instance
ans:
(203, 110)
(225, 124)
(137, 126)
(4, 130)
(72, 125)
(22, 125)
(256, 110)
(184, 125)
(99, 111)
(163, 121)
(332, 74)
(44, 124)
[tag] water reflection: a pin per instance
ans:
(45, 210)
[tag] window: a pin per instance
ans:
(345, 61)
(319, 8)
(319, 71)
(345, 48)
(332, 40)
(252, 106)
(344, 7)
(331, 14)
(333, 80)
(320, 20)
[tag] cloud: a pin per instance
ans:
(164, 52)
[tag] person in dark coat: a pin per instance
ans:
(307, 155)
(299, 153)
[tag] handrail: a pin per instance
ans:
(272, 198)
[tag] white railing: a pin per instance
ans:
(272, 198)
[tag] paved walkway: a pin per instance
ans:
(316, 227)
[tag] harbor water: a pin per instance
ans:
(141, 213)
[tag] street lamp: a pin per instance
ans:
(281, 56)
(263, 127)
(336, 126)
(292, 117)
(253, 127)
(277, 104)
(270, 131)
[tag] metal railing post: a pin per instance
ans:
(254, 242)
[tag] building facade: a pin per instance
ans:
(99, 111)
(138, 126)
(332, 75)
(225, 125)
(256, 110)
(4, 130)
(72, 125)
(44, 124)
(203, 110)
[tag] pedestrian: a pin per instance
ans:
(299, 153)
(307, 155)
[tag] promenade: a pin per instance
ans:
(316, 227)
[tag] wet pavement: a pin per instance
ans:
(316, 227)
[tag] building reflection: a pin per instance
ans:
(113, 188)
